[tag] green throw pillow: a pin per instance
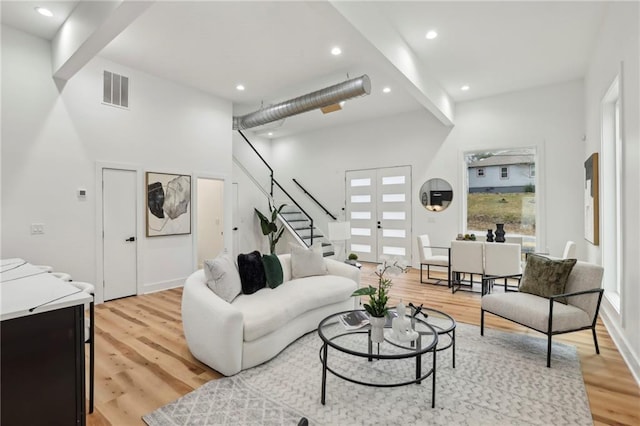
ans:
(272, 269)
(546, 277)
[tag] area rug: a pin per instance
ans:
(499, 379)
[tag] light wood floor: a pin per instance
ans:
(142, 360)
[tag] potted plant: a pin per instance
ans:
(378, 297)
(353, 256)
(270, 227)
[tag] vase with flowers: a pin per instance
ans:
(378, 296)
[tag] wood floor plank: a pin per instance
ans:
(142, 360)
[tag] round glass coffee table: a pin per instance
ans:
(445, 326)
(340, 344)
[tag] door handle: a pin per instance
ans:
(235, 228)
(130, 239)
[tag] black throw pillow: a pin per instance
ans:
(251, 269)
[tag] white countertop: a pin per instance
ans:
(27, 290)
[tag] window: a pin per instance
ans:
(480, 172)
(611, 235)
(499, 197)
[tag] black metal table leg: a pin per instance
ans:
(433, 381)
(324, 372)
(453, 347)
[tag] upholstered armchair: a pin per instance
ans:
(549, 315)
(428, 258)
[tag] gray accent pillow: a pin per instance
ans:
(306, 263)
(222, 277)
(546, 277)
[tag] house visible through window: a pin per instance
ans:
(501, 188)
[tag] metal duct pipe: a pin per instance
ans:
(319, 99)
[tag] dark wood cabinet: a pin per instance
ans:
(42, 369)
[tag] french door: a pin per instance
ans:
(379, 209)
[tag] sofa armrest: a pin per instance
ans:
(213, 328)
(342, 269)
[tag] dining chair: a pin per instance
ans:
(501, 261)
(467, 257)
(569, 250)
(428, 259)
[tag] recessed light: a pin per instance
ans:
(336, 51)
(464, 88)
(386, 90)
(270, 134)
(240, 87)
(44, 11)
(431, 35)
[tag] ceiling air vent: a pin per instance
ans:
(115, 89)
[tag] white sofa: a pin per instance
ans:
(252, 329)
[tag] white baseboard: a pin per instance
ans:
(610, 318)
(163, 285)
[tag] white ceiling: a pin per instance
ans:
(280, 50)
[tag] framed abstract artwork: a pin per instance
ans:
(591, 200)
(168, 204)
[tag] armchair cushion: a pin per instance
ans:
(546, 277)
(533, 311)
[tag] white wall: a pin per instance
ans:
(618, 42)
(549, 118)
(53, 134)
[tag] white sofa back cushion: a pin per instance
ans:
(306, 262)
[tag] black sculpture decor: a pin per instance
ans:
(489, 235)
(500, 233)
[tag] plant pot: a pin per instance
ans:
(377, 329)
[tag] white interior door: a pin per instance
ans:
(379, 209)
(210, 218)
(119, 233)
(234, 219)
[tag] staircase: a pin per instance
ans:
(302, 226)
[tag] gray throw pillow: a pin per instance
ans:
(222, 277)
(546, 277)
(306, 263)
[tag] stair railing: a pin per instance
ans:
(315, 200)
(273, 182)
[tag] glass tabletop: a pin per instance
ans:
(441, 321)
(356, 342)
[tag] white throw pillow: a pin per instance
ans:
(223, 277)
(306, 263)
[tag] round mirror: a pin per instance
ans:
(436, 194)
